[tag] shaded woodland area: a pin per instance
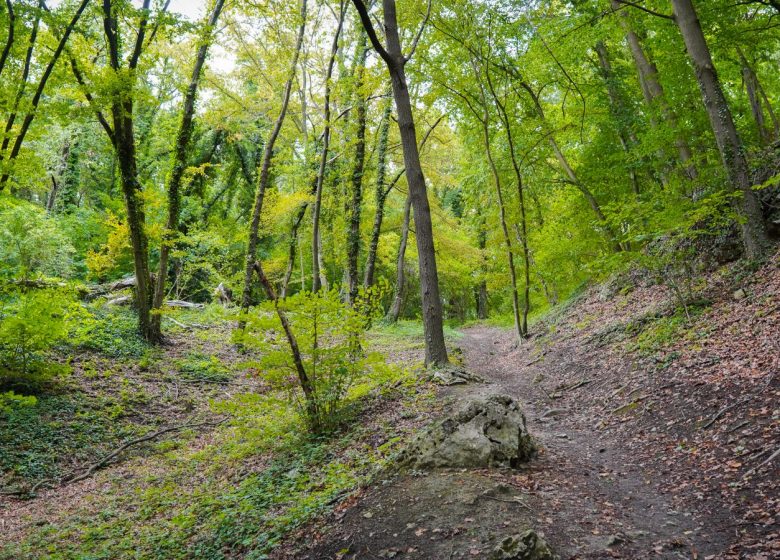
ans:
(247, 249)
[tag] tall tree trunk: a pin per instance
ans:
(317, 274)
(125, 148)
(754, 235)
(179, 166)
(753, 88)
(380, 195)
(356, 203)
(572, 176)
(484, 120)
(400, 272)
(28, 119)
(618, 109)
(481, 294)
(433, 320)
(653, 91)
(9, 39)
(265, 171)
(522, 327)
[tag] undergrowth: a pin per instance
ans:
(237, 492)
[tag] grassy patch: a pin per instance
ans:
(34, 440)
(200, 367)
(113, 333)
(662, 331)
(258, 478)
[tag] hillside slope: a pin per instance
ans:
(659, 437)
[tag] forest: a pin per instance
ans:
(361, 279)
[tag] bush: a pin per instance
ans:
(31, 243)
(32, 322)
(331, 339)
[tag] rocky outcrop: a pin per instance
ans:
(528, 546)
(487, 432)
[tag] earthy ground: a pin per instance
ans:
(648, 451)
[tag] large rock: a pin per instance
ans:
(528, 546)
(488, 432)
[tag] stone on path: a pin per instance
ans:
(487, 432)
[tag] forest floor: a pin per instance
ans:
(659, 437)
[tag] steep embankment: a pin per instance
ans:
(659, 437)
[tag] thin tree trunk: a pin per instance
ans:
(481, 294)
(400, 272)
(312, 410)
(356, 203)
(380, 195)
(317, 273)
(522, 327)
(9, 40)
(265, 171)
(754, 97)
(484, 120)
(433, 321)
(626, 137)
(179, 166)
(572, 176)
(39, 91)
(653, 91)
(9, 123)
(754, 234)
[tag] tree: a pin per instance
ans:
(732, 151)
(264, 173)
(181, 147)
(435, 349)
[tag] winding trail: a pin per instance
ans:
(586, 492)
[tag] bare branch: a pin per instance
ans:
(424, 23)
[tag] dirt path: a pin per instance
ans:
(586, 493)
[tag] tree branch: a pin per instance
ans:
(424, 23)
(365, 19)
(646, 10)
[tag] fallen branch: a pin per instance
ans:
(771, 458)
(725, 409)
(629, 404)
(108, 458)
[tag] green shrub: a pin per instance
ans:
(330, 336)
(31, 323)
(113, 332)
(31, 243)
(10, 400)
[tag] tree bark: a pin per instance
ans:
(356, 203)
(521, 323)
(317, 274)
(653, 91)
(400, 273)
(754, 234)
(753, 87)
(264, 176)
(380, 196)
(484, 120)
(9, 39)
(179, 166)
(123, 134)
(435, 349)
